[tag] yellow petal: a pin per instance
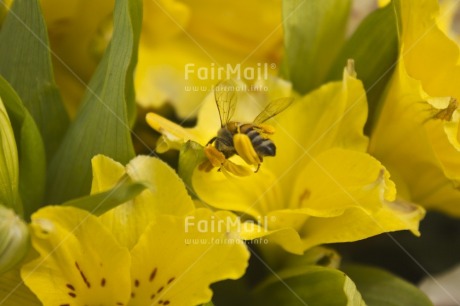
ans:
(337, 186)
(337, 180)
(448, 10)
(173, 135)
(253, 195)
(163, 20)
(258, 30)
(333, 115)
(177, 258)
(80, 261)
(417, 130)
(286, 237)
(76, 30)
(202, 34)
(355, 224)
(4, 9)
(167, 194)
(182, 73)
(236, 169)
(424, 42)
(106, 173)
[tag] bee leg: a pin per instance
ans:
(261, 158)
(258, 165)
(212, 140)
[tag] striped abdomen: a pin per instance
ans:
(263, 146)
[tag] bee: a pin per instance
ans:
(248, 140)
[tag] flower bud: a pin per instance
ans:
(14, 239)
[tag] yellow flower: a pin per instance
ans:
(417, 132)
(143, 252)
(79, 31)
(321, 187)
(174, 34)
(181, 37)
(4, 9)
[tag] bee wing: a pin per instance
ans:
(272, 109)
(226, 99)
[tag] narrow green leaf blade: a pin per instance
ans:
(314, 33)
(31, 151)
(25, 63)
(380, 288)
(100, 203)
(101, 126)
(136, 20)
(309, 285)
(374, 47)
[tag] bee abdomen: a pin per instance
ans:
(263, 146)
(266, 148)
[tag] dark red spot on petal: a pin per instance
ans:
(70, 287)
(132, 294)
(85, 280)
(103, 282)
(160, 289)
(152, 296)
(136, 283)
(72, 294)
(152, 275)
(166, 303)
(171, 280)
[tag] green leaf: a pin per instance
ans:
(14, 292)
(136, 21)
(32, 161)
(380, 288)
(101, 126)
(25, 63)
(319, 256)
(374, 48)
(314, 33)
(102, 202)
(9, 168)
(190, 156)
(309, 285)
